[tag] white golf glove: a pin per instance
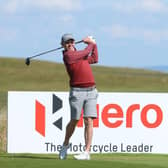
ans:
(92, 39)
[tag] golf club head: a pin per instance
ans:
(27, 62)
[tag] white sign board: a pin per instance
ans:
(127, 123)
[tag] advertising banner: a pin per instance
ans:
(126, 123)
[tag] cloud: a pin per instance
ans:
(13, 6)
(154, 6)
(57, 4)
(9, 6)
(155, 35)
(118, 31)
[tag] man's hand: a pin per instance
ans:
(89, 39)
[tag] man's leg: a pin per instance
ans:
(88, 133)
(90, 112)
(69, 131)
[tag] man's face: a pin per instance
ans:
(69, 45)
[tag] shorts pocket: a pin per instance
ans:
(93, 94)
(73, 95)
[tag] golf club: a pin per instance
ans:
(27, 61)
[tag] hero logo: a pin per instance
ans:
(40, 115)
(117, 115)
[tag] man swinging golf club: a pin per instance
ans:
(83, 92)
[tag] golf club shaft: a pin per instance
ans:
(51, 50)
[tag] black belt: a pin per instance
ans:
(83, 89)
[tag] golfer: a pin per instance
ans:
(83, 92)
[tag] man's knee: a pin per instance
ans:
(73, 123)
(88, 121)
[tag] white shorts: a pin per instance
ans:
(83, 98)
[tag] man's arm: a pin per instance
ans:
(74, 56)
(94, 56)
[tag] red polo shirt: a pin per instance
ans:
(78, 65)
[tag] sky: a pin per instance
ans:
(129, 33)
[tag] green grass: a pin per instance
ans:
(98, 161)
(15, 75)
(47, 76)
